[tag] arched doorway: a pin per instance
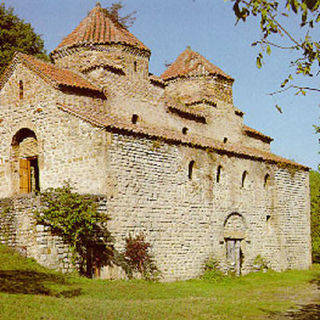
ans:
(234, 234)
(25, 154)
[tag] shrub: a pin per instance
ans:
(260, 263)
(139, 259)
(77, 221)
(211, 270)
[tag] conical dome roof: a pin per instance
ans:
(99, 28)
(191, 63)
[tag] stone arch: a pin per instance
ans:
(234, 232)
(24, 161)
(234, 226)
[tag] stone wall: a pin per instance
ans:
(68, 147)
(18, 229)
(187, 220)
(186, 217)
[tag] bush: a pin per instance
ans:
(260, 263)
(77, 221)
(211, 270)
(138, 258)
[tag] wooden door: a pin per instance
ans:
(234, 255)
(24, 173)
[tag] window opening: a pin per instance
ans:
(190, 172)
(185, 130)
(135, 66)
(225, 140)
(244, 176)
(266, 181)
(134, 118)
(218, 174)
(21, 90)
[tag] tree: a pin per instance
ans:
(125, 21)
(280, 29)
(315, 214)
(16, 35)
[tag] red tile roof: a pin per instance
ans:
(99, 28)
(191, 63)
(56, 76)
(102, 119)
(256, 133)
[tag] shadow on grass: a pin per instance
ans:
(309, 311)
(32, 282)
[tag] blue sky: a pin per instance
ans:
(167, 27)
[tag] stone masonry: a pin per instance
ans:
(170, 156)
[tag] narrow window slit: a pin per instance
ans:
(190, 171)
(21, 90)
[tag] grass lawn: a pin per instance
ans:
(29, 291)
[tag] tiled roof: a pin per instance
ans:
(102, 119)
(191, 63)
(256, 133)
(99, 28)
(56, 76)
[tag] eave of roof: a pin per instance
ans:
(256, 133)
(112, 122)
(53, 75)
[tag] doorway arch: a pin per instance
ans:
(25, 168)
(234, 233)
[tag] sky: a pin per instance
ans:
(167, 27)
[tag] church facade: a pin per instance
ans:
(170, 155)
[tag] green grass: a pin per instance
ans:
(29, 291)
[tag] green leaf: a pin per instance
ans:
(268, 50)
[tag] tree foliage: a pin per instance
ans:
(77, 221)
(315, 214)
(16, 35)
(126, 21)
(278, 26)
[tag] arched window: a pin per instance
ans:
(135, 66)
(266, 181)
(218, 174)
(243, 180)
(190, 171)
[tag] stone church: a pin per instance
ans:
(170, 156)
